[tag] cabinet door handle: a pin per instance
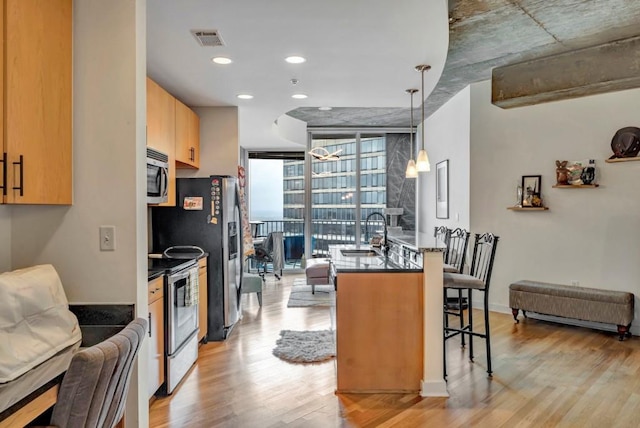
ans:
(192, 154)
(150, 324)
(20, 163)
(4, 173)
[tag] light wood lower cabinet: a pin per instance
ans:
(156, 335)
(202, 298)
(379, 331)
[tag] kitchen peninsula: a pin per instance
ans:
(388, 321)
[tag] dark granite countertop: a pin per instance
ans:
(341, 263)
(406, 239)
(153, 274)
(417, 241)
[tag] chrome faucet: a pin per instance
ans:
(366, 229)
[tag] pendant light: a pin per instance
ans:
(411, 171)
(422, 163)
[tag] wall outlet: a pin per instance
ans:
(107, 238)
(575, 282)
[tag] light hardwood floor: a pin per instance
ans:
(545, 375)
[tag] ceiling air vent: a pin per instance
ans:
(208, 37)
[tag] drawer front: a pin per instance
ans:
(156, 289)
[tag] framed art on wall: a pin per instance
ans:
(442, 189)
(531, 185)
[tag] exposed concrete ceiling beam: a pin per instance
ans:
(608, 67)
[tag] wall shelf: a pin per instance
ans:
(637, 158)
(528, 208)
(569, 186)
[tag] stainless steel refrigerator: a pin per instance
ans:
(207, 215)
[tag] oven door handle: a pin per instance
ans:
(175, 277)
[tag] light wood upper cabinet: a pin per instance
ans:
(195, 137)
(37, 107)
(202, 298)
(187, 137)
(161, 130)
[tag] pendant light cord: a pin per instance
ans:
(411, 124)
(411, 171)
(423, 159)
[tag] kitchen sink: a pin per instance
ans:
(359, 253)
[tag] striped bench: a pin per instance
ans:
(587, 304)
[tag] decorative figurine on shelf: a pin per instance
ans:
(575, 172)
(562, 173)
(519, 196)
(536, 200)
(588, 175)
(527, 200)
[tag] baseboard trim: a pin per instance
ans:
(433, 388)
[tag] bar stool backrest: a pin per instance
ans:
(441, 233)
(456, 253)
(484, 252)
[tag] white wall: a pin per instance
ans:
(587, 235)
(447, 137)
(109, 67)
(291, 129)
(219, 148)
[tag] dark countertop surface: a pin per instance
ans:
(341, 263)
(153, 274)
(407, 239)
(417, 241)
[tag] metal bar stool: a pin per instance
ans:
(454, 258)
(479, 277)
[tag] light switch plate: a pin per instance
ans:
(107, 238)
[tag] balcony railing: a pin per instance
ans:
(324, 233)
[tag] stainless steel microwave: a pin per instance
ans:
(157, 176)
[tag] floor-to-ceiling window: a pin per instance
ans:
(276, 200)
(348, 182)
(265, 190)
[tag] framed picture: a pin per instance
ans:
(442, 189)
(531, 185)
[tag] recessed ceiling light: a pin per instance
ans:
(221, 60)
(245, 96)
(295, 59)
(299, 96)
(325, 108)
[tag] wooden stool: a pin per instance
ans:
(252, 283)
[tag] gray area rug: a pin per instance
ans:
(305, 346)
(301, 296)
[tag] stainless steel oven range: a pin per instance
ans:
(181, 317)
